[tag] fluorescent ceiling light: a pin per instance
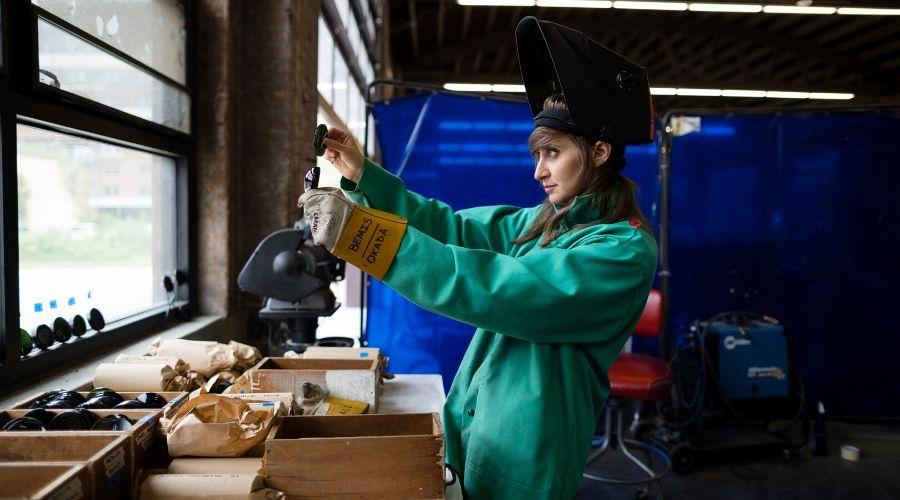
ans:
(862, 11)
(831, 95)
(793, 9)
(700, 92)
(498, 3)
(500, 87)
(668, 91)
(743, 93)
(744, 8)
(468, 87)
(650, 5)
(725, 7)
(778, 94)
(578, 4)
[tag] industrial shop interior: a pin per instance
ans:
(455, 249)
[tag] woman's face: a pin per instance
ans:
(558, 166)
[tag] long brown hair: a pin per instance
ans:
(614, 194)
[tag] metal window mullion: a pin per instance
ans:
(98, 127)
(4, 37)
(9, 250)
(102, 110)
(359, 12)
(184, 228)
(339, 34)
(90, 39)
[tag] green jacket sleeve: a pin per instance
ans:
(588, 293)
(491, 228)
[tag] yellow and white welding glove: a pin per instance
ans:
(367, 238)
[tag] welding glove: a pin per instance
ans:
(367, 238)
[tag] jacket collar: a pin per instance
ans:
(582, 211)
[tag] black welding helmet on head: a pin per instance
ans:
(608, 96)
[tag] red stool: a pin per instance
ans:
(637, 377)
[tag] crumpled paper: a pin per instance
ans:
(185, 383)
(208, 357)
(214, 426)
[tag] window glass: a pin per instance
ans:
(341, 82)
(151, 31)
(326, 62)
(343, 8)
(73, 65)
(96, 227)
(355, 121)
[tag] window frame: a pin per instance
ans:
(25, 101)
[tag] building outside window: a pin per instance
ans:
(96, 126)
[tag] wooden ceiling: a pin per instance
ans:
(439, 41)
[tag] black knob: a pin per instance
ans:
(471, 412)
(43, 337)
(95, 319)
(79, 325)
(62, 330)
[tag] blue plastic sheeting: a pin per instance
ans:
(796, 216)
(465, 152)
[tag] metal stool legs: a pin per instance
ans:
(613, 438)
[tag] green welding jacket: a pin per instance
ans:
(524, 405)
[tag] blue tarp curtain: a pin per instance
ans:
(792, 215)
(466, 152)
(796, 215)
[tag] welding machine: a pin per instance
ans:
(750, 355)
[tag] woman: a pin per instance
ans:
(553, 290)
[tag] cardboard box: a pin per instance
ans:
(385, 456)
(314, 352)
(354, 379)
(45, 480)
(106, 458)
(145, 445)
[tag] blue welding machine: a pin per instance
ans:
(751, 358)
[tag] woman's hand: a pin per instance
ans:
(342, 152)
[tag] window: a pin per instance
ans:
(95, 138)
(346, 55)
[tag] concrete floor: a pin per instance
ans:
(769, 476)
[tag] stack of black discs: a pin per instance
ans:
(79, 419)
(33, 420)
(115, 422)
(58, 400)
(101, 399)
(143, 401)
(78, 415)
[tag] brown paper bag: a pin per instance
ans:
(245, 355)
(214, 426)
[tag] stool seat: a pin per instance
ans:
(640, 377)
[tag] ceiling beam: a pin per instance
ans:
(414, 30)
(440, 24)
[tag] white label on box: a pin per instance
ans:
(144, 437)
(114, 462)
(71, 491)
